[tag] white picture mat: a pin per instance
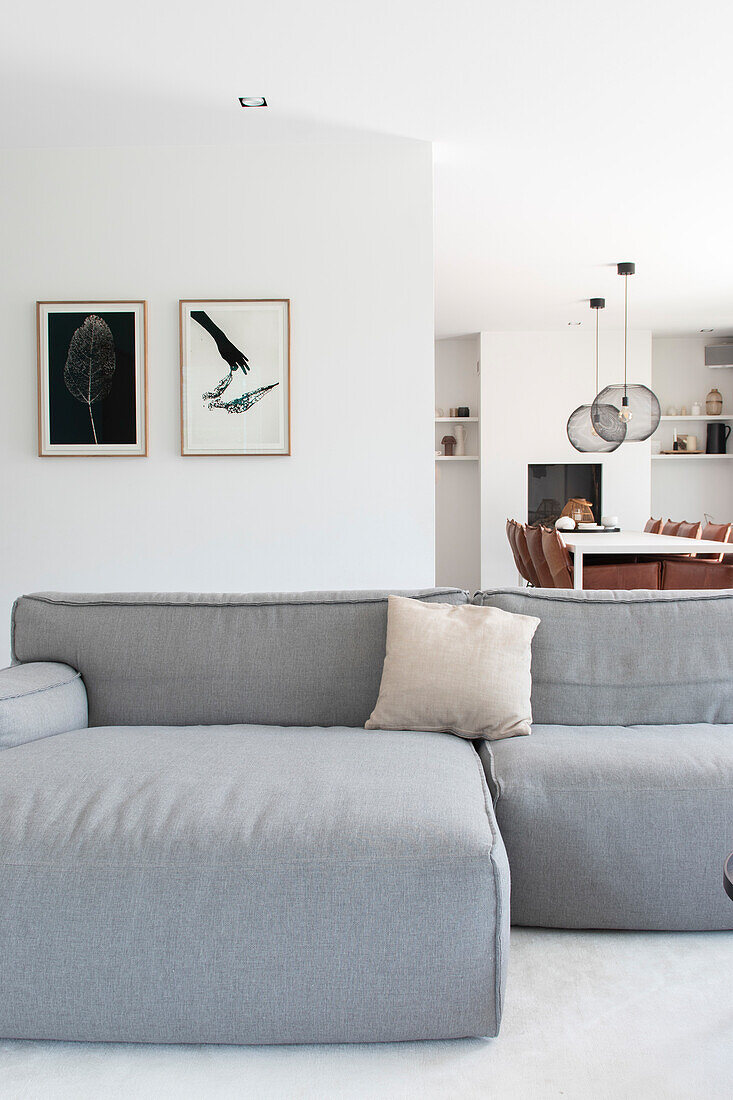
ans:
(259, 329)
(95, 449)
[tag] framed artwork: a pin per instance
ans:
(235, 377)
(92, 378)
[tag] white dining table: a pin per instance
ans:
(633, 542)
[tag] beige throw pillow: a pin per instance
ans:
(455, 669)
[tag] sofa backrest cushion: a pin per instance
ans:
(311, 659)
(627, 658)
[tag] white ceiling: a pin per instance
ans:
(567, 135)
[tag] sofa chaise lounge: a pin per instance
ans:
(200, 842)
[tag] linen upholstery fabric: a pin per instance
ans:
(249, 885)
(616, 827)
(627, 658)
(455, 669)
(38, 700)
(178, 659)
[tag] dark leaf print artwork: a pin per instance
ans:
(236, 360)
(90, 364)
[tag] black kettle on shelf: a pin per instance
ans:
(717, 439)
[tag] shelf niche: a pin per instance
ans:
(457, 477)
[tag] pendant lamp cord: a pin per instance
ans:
(626, 325)
(597, 312)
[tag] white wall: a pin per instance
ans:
(680, 488)
(530, 383)
(346, 233)
(457, 484)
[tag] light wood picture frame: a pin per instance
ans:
(92, 378)
(235, 376)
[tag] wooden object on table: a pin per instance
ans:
(578, 504)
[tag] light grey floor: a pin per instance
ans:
(588, 1015)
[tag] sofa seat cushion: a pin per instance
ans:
(616, 827)
(249, 885)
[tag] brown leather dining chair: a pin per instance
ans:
(536, 553)
(624, 575)
(517, 543)
(512, 540)
(520, 535)
(653, 526)
(689, 530)
(696, 573)
(716, 532)
(683, 530)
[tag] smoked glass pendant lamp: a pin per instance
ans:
(634, 404)
(580, 428)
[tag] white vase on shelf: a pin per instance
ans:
(460, 433)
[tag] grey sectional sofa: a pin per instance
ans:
(225, 855)
(199, 842)
(617, 811)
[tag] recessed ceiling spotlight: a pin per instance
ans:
(252, 101)
(575, 322)
(707, 330)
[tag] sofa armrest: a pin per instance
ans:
(38, 700)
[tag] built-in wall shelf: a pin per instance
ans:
(681, 454)
(671, 419)
(458, 488)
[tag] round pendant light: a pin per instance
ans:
(632, 403)
(581, 431)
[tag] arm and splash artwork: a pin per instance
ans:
(236, 360)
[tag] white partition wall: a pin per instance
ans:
(345, 232)
(530, 383)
